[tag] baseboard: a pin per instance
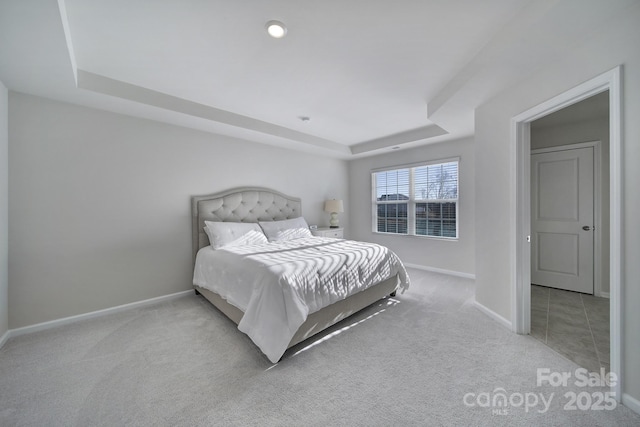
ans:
(631, 403)
(441, 270)
(603, 295)
(72, 319)
(495, 316)
(4, 338)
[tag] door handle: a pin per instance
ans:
(586, 228)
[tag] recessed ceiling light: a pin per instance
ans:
(276, 29)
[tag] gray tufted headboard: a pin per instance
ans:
(245, 204)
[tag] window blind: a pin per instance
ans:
(421, 200)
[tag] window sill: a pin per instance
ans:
(418, 236)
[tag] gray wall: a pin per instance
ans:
(599, 52)
(100, 209)
(454, 256)
(585, 131)
(4, 212)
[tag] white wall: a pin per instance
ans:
(4, 212)
(100, 203)
(585, 131)
(601, 51)
(454, 256)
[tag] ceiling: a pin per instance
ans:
(595, 107)
(369, 75)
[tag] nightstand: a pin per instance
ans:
(329, 232)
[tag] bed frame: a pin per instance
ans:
(253, 204)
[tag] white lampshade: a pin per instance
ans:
(333, 206)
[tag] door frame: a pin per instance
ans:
(520, 261)
(597, 205)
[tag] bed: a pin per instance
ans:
(275, 329)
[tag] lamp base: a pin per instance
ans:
(334, 220)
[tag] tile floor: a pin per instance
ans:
(573, 324)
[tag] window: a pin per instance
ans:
(420, 200)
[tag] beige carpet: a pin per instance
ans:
(413, 360)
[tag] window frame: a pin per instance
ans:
(412, 202)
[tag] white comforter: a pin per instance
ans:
(277, 285)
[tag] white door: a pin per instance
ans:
(562, 219)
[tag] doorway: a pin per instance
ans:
(521, 262)
(568, 311)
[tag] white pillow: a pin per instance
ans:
(222, 234)
(288, 229)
